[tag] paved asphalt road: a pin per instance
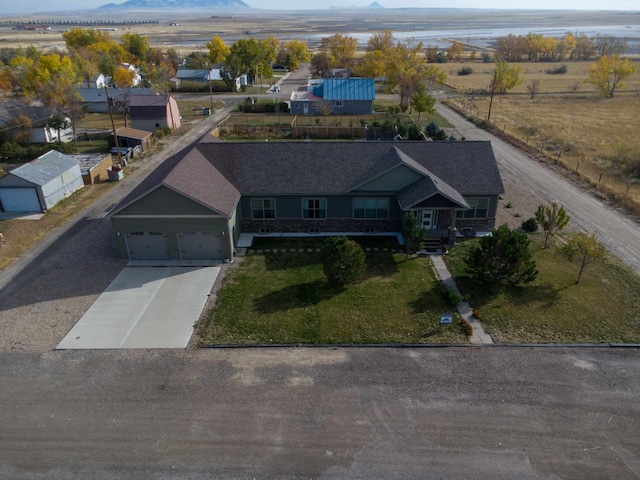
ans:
(620, 234)
(317, 413)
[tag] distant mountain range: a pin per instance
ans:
(228, 4)
(353, 7)
(143, 4)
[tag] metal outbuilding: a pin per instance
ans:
(40, 184)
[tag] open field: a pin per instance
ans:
(604, 307)
(572, 82)
(399, 301)
(567, 121)
(195, 27)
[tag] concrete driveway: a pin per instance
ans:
(145, 307)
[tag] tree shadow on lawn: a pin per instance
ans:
(296, 296)
(524, 295)
(430, 300)
(278, 260)
(379, 264)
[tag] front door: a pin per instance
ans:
(305, 108)
(426, 218)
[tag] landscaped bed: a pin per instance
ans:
(603, 307)
(276, 297)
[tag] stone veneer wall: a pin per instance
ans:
(475, 224)
(293, 225)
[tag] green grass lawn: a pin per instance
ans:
(276, 297)
(604, 307)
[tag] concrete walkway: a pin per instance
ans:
(479, 337)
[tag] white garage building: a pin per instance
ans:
(40, 184)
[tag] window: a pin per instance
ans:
(479, 208)
(263, 208)
(364, 207)
(339, 103)
(314, 208)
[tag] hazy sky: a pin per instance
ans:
(27, 6)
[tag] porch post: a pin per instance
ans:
(452, 229)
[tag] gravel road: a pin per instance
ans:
(619, 233)
(321, 413)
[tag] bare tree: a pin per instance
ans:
(533, 87)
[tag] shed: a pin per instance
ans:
(150, 112)
(132, 137)
(40, 184)
(94, 166)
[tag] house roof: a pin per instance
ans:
(134, 133)
(149, 100)
(39, 115)
(87, 161)
(188, 74)
(45, 168)
(346, 89)
(97, 95)
(216, 174)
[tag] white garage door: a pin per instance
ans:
(20, 200)
(198, 246)
(148, 246)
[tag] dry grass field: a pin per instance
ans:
(567, 121)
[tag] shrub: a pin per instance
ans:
(502, 259)
(343, 260)
(11, 150)
(467, 327)
(159, 133)
(432, 129)
(530, 225)
(561, 70)
(465, 71)
(452, 297)
(486, 58)
(413, 132)
(476, 314)
(65, 147)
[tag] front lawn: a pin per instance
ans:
(604, 307)
(278, 297)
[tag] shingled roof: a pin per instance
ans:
(216, 174)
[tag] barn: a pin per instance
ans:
(40, 184)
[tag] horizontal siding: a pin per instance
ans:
(164, 201)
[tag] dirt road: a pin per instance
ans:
(620, 234)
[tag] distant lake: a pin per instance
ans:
(486, 36)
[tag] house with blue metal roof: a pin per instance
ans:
(335, 96)
(40, 184)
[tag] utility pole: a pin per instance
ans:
(210, 88)
(113, 126)
(493, 89)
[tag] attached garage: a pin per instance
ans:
(164, 224)
(148, 246)
(201, 246)
(40, 184)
